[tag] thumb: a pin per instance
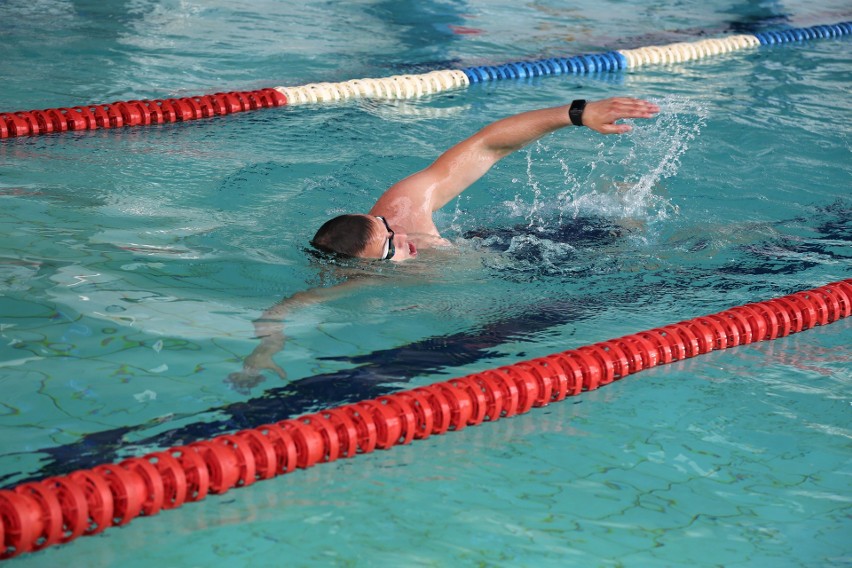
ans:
(281, 372)
(613, 128)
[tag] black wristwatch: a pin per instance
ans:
(575, 112)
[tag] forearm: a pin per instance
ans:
(271, 323)
(514, 132)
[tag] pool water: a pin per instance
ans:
(135, 261)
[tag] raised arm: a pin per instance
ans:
(456, 169)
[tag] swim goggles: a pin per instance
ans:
(389, 249)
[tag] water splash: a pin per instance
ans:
(660, 147)
(622, 181)
(604, 204)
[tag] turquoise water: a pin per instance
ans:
(135, 261)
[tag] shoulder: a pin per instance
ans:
(407, 204)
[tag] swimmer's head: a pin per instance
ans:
(363, 236)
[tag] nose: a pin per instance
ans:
(401, 242)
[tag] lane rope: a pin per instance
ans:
(397, 87)
(56, 510)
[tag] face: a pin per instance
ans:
(388, 243)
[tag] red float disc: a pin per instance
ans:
(229, 102)
(770, 319)
(222, 464)
(100, 116)
(424, 417)
(604, 362)
(205, 109)
(738, 320)
(195, 470)
(756, 322)
(275, 96)
(173, 478)
(797, 318)
(99, 499)
(590, 368)
(526, 384)
(75, 506)
(310, 449)
(719, 332)
(191, 107)
(151, 113)
(785, 319)
(51, 512)
(841, 300)
(129, 492)
(573, 373)
(33, 126)
(646, 350)
(22, 519)
(406, 414)
(155, 493)
(511, 395)
(285, 446)
(263, 452)
(45, 124)
(664, 350)
(635, 354)
(543, 374)
(347, 432)
(73, 119)
(441, 411)
(328, 432)
(560, 379)
(478, 398)
(16, 125)
(461, 407)
(807, 310)
(388, 423)
(86, 114)
(245, 458)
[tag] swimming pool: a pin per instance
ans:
(136, 261)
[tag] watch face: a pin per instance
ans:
(575, 112)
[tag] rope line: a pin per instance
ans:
(161, 111)
(59, 509)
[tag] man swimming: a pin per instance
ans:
(400, 223)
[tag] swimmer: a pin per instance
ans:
(400, 223)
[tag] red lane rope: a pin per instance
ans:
(38, 514)
(135, 113)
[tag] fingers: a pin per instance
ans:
(281, 372)
(615, 129)
(629, 107)
(602, 115)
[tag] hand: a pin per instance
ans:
(600, 116)
(259, 360)
(243, 381)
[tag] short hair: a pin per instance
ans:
(347, 235)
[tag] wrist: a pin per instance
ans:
(575, 112)
(272, 341)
